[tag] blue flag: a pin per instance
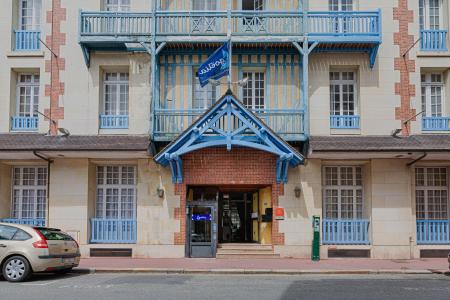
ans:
(216, 66)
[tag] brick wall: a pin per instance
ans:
(404, 65)
(55, 64)
(217, 166)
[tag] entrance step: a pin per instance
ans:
(245, 251)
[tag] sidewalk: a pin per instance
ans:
(264, 266)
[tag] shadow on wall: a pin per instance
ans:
(320, 65)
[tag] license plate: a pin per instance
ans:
(68, 260)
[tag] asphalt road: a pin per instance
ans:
(151, 286)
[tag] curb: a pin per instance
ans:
(255, 271)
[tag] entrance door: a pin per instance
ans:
(255, 216)
(202, 230)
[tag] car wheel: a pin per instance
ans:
(63, 271)
(16, 269)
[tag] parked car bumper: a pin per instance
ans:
(52, 263)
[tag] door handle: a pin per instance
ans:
(2, 246)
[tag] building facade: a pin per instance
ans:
(337, 109)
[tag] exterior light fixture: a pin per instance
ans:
(160, 192)
(243, 82)
(297, 191)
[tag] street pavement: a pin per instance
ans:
(254, 265)
(129, 286)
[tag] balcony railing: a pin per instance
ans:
(27, 40)
(433, 231)
(319, 25)
(169, 123)
(345, 232)
(113, 231)
(433, 40)
(344, 122)
(31, 222)
(436, 123)
(116, 23)
(344, 24)
(24, 123)
(113, 122)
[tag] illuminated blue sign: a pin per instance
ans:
(197, 217)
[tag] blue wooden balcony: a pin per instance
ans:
(344, 122)
(103, 28)
(113, 121)
(436, 123)
(31, 222)
(345, 232)
(113, 231)
(433, 40)
(27, 40)
(24, 123)
(433, 232)
(288, 123)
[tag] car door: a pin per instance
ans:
(6, 234)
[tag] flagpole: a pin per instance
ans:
(230, 47)
(230, 63)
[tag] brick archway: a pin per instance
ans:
(217, 166)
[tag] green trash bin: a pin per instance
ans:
(315, 253)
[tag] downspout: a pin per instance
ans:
(417, 159)
(49, 161)
(411, 253)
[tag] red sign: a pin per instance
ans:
(279, 213)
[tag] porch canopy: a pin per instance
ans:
(230, 124)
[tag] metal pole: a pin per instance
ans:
(230, 47)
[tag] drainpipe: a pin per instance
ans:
(49, 161)
(417, 159)
(411, 239)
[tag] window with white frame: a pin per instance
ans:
(30, 14)
(254, 92)
(343, 96)
(343, 192)
(430, 14)
(29, 193)
(116, 192)
(340, 5)
(115, 94)
(203, 97)
(432, 88)
(27, 95)
(432, 193)
(117, 5)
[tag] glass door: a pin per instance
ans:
(202, 230)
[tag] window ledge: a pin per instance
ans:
(422, 53)
(108, 131)
(37, 53)
(435, 131)
(345, 131)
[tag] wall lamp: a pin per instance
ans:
(160, 192)
(297, 191)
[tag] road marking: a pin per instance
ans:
(40, 284)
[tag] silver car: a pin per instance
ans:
(25, 250)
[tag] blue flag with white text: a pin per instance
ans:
(216, 66)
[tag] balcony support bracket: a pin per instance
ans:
(373, 55)
(86, 55)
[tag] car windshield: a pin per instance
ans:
(54, 235)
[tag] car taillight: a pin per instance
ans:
(42, 243)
